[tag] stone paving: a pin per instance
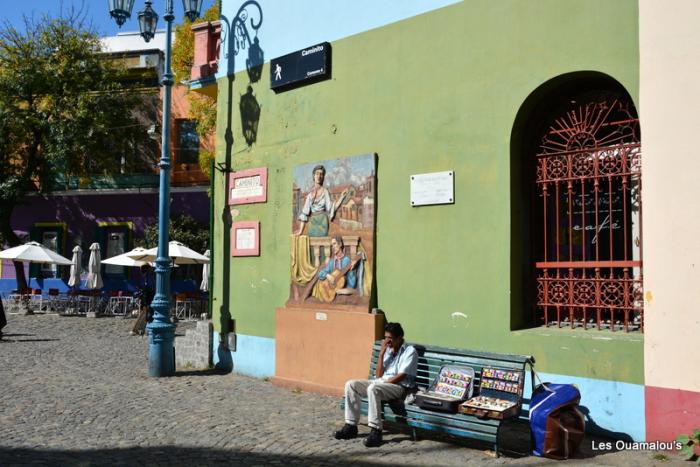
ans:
(76, 391)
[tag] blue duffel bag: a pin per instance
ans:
(556, 423)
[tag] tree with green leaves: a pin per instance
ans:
(64, 110)
(182, 228)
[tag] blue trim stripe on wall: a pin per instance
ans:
(254, 356)
(612, 408)
(291, 26)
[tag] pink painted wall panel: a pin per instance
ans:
(670, 412)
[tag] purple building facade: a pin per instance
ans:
(112, 218)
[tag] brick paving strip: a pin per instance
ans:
(76, 391)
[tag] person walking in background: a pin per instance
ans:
(3, 319)
(146, 293)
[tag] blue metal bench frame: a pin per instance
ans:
(430, 359)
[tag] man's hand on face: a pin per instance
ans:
(386, 343)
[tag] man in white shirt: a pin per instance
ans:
(395, 374)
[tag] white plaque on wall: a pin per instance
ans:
(245, 239)
(432, 188)
(245, 187)
(248, 186)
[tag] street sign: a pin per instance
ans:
(302, 67)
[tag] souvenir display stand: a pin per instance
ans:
(500, 394)
(450, 388)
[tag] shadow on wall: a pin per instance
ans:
(225, 363)
(238, 38)
(250, 116)
(235, 38)
(592, 428)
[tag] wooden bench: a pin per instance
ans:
(430, 359)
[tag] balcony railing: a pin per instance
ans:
(103, 182)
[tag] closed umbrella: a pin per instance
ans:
(74, 280)
(204, 286)
(94, 278)
(179, 253)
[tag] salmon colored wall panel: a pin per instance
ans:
(320, 350)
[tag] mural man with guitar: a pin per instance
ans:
(337, 276)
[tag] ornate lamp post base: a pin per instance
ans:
(161, 350)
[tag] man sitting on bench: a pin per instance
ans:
(395, 375)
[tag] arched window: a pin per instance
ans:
(587, 241)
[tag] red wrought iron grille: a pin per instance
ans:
(589, 273)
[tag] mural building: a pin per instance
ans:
(493, 175)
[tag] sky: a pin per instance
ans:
(97, 11)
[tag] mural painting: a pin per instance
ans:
(332, 247)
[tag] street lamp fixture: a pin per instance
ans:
(192, 8)
(148, 20)
(161, 332)
(120, 10)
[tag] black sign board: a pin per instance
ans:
(299, 68)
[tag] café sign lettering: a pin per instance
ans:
(302, 67)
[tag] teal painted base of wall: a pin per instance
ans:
(612, 409)
(254, 356)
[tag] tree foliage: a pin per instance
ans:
(184, 229)
(63, 109)
(202, 107)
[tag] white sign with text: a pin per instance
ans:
(247, 186)
(432, 188)
(245, 239)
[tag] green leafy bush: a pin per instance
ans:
(690, 446)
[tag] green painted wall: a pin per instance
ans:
(436, 92)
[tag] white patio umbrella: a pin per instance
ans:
(204, 286)
(125, 260)
(94, 278)
(178, 252)
(75, 269)
(33, 252)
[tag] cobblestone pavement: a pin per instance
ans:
(76, 391)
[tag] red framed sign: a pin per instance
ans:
(245, 238)
(248, 186)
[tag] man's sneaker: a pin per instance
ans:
(374, 439)
(347, 432)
